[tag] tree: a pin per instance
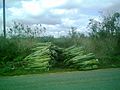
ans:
(20, 30)
(109, 27)
(106, 37)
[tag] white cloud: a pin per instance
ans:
(96, 3)
(68, 22)
(58, 11)
(1, 12)
(32, 7)
(37, 7)
(112, 9)
(52, 3)
(16, 11)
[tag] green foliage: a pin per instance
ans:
(105, 39)
(12, 51)
(63, 42)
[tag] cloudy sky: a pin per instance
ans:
(57, 15)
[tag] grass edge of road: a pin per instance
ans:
(20, 72)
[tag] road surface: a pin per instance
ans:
(103, 79)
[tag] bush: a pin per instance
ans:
(14, 50)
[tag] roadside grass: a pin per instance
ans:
(18, 72)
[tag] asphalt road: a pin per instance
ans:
(104, 79)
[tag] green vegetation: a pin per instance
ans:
(27, 50)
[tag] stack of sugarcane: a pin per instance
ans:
(75, 57)
(47, 55)
(40, 58)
